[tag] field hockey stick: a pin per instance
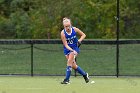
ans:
(78, 44)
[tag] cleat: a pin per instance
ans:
(65, 82)
(86, 77)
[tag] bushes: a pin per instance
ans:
(43, 18)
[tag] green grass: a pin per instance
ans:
(52, 85)
(49, 59)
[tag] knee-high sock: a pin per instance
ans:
(81, 71)
(68, 72)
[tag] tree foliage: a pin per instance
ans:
(42, 19)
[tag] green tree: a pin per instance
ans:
(42, 19)
(130, 18)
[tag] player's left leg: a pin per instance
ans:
(80, 71)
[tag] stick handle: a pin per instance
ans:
(79, 44)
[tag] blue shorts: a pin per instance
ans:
(67, 52)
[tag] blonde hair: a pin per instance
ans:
(66, 20)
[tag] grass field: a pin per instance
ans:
(27, 84)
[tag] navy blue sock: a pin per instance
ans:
(68, 72)
(82, 72)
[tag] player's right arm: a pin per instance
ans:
(63, 38)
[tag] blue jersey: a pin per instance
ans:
(71, 40)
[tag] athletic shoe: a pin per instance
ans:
(86, 77)
(65, 82)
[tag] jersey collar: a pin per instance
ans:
(68, 33)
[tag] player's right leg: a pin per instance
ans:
(69, 68)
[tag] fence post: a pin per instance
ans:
(117, 43)
(32, 68)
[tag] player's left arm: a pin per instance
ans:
(82, 34)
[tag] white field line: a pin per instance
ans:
(27, 88)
